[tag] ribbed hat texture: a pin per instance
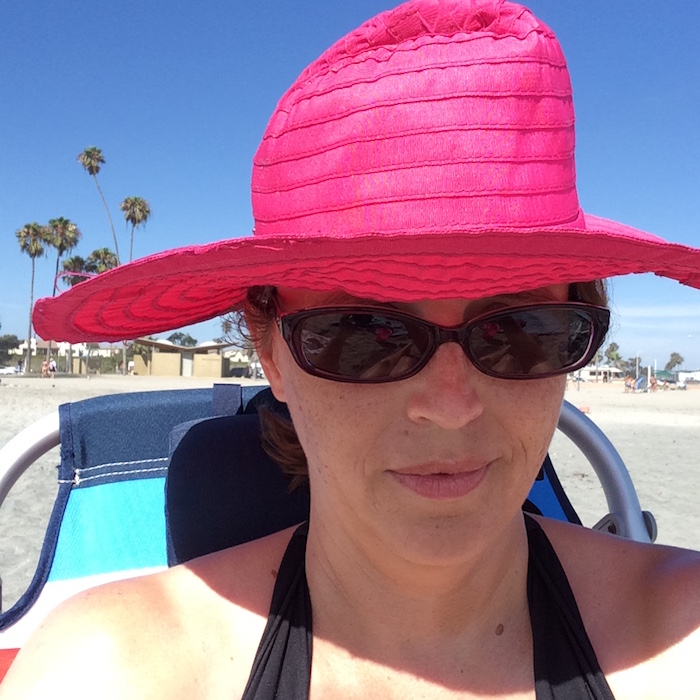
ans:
(427, 154)
(438, 116)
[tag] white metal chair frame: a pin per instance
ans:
(625, 517)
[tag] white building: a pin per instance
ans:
(603, 373)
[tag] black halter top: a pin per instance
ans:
(565, 664)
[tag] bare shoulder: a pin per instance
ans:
(641, 607)
(190, 631)
(666, 578)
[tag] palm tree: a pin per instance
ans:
(101, 260)
(674, 361)
(184, 340)
(76, 265)
(64, 235)
(612, 354)
(32, 238)
(98, 261)
(92, 160)
(137, 211)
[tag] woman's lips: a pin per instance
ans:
(440, 485)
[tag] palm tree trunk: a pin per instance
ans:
(28, 361)
(109, 216)
(131, 257)
(55, 277)
(53, 294)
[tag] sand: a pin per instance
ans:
(658, 436)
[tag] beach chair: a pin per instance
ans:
(107, 520)
(202, 517)
(111, 518)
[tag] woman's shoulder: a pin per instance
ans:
(640, 604)
(653, 570)
(195, 624)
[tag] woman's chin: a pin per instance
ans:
(439, 540)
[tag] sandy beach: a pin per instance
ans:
(658, 436)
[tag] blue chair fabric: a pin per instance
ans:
(223, 489)
(108, 514)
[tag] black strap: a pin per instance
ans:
(282, 666)
(565, 664)
(566, 667)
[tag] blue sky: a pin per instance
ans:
(177, 95)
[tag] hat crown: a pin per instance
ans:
(432, 18)
(427, 155)
(439, 115)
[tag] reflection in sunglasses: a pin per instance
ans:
(529, 349)
(382, 334)
(367, 344)
(392, 366)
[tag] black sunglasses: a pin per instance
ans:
(368, 345)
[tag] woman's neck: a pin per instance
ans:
(367, 598)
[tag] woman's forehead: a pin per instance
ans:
(293, 299)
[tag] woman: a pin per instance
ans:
(420, 283)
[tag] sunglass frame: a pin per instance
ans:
(291, 323)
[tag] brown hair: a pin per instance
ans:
(279, 439)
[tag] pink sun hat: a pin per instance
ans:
(428, 154)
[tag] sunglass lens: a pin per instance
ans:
(363, 345)
(531, 341)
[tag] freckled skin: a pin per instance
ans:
(355, 435)
(411, 596)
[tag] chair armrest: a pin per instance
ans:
(25, 448)
(625, 511)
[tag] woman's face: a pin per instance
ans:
(422, 463)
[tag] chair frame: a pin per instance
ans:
(625, 517)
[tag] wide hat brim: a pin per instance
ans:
(428, 154)
(196, 283)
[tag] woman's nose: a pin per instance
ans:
(445, 391)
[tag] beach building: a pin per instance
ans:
(69, 358)
(39, 348)
(152, 357)
(165, 359)
(601, 373)
(692, 377)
